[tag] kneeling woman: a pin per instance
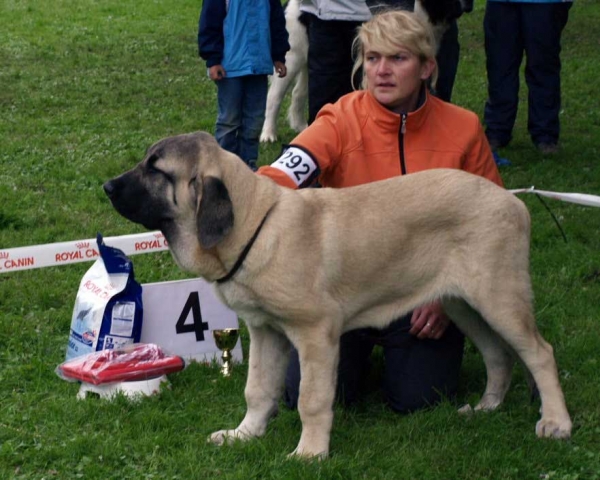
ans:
(392, 126)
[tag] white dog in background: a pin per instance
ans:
(297, 71)
(437, 12)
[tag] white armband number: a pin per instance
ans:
(297, 164)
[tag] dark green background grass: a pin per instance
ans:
(85, 87)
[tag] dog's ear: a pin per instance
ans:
(214, 217)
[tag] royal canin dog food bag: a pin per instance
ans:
(108, 309)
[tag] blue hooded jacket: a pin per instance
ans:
(244, 36)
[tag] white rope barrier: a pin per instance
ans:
(579, 198)
(63, 253)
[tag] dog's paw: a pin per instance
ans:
(224, 437)
(268, 135)
(549, 428)
(489, 402)
(466, 410)
(304, 454)
(312, 446)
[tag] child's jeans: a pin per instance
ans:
(242, 103)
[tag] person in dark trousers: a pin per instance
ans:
(241, 41)
(447, 57)
(513, 28)
(332, 27)
(331, 31)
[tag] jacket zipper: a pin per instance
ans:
(401, 142)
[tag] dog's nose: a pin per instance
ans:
(109, 188)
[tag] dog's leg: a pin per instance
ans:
(318, 352)
(269, 354)
(295, 61)
(555, 421)
(537, 355)
(277, 91)
(498, 360)
(297, 112)
(509, 311)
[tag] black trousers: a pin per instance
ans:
(447, 59)
(511, 30)
(329, 62)
(417, 373)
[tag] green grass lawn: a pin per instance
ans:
(85, 87)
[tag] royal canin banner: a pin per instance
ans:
(52, 254)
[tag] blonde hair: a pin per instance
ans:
(388, 32)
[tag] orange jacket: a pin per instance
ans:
(357, 140)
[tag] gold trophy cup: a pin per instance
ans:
(225, 340)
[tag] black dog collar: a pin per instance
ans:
(245, 252)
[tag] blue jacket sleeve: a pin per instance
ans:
(279, 35)
(210, 31)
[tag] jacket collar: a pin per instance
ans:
(391, 120)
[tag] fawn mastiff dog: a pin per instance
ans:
(302, 267)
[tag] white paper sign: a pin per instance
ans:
(180, 316)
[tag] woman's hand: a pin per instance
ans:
(429, 321)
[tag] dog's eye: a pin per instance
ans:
(153, 169)
(151, 164)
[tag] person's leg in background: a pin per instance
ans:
(229, 117)
(254, 103)
(353, 369)
(329, 62)
(543, 24)
(417, 373)
(420, 373)
(447, 58)
(504, 53)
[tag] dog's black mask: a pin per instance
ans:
(132, 198)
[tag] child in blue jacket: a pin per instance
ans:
(241, 41)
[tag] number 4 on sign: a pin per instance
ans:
(175, 310)
(197, 326)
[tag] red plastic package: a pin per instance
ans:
(140, 361)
